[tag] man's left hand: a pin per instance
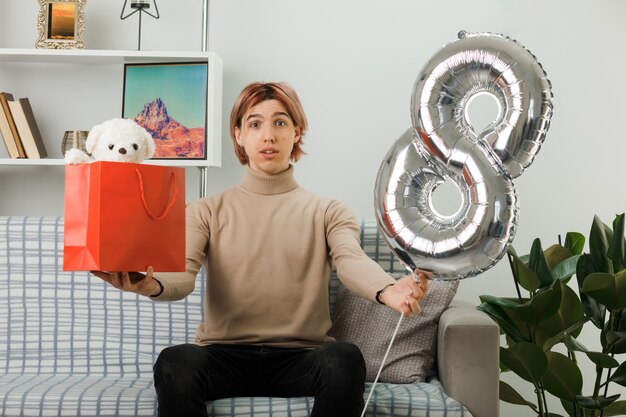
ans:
(404, 296)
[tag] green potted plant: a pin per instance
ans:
(552, 314)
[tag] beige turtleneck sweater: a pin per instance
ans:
(268, 247)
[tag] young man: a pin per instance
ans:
(268, 247)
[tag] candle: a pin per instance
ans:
(140, 4)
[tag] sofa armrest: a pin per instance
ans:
(468, 357)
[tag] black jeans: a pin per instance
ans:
(186, 376)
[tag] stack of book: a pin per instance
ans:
(19, 129)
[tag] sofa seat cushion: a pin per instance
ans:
(124, 395)
(389, 400)
(76, 395)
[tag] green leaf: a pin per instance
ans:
(507, 325)
(599, 246)
(538, 264)
(584, 267)
(573, 329)
(600, 359)
(609, 290)
(620, 283)
(617, 245)
(593, 309)
(562, 378)
(564, 270)
(556, 254)
(575, 242)
(499, 301)
(568, 406)
(525, 359)
(616, 341)
(573, 344)
(509, 395)
(524, 276)
(618, 408)
(596, 404)
(619, 376)
(541, 307)
(570, 313)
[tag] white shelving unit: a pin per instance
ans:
(83, 59)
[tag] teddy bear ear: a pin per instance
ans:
(92, 138)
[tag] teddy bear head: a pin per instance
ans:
(120, 140)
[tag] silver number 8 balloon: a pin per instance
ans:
(443, 146)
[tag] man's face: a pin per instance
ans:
(268, 135)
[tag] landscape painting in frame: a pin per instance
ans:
(169, 101)
(62, 20)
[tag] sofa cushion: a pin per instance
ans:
(370, 326)
(76, 395)
(116, 395)
(54, 321)
(389, 400)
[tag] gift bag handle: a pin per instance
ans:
(143, 196)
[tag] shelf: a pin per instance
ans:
(87, 58)
(60, 162)
(100, 56)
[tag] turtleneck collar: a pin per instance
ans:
(257, 183)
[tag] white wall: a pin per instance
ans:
(353, 63)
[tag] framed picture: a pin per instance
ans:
(170, 101)
(61, 24)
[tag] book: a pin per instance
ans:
(8, 130)
(7, 135)
(27, 128)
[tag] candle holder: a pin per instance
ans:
(140, 6)
(74, 139)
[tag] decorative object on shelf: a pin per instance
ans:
(61, 24)
(8, 129)
(170, 101)
(115, 140)
(74, 139)
(27, 128)
(140, 6)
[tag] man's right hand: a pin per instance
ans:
(135, 282)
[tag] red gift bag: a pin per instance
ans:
(121, 216)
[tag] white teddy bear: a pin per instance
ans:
(119, 140)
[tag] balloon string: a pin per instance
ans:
(393, 337)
